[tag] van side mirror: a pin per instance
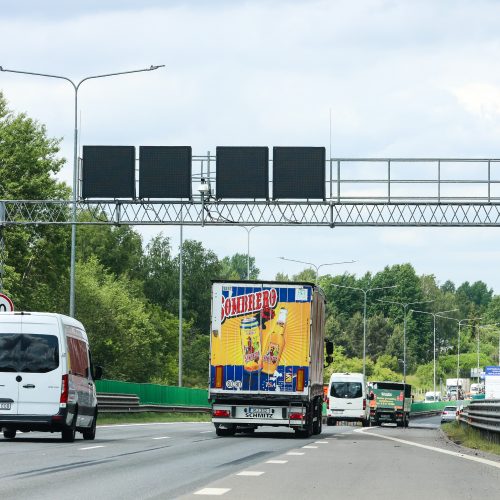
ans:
(329, 347)
(98, 373)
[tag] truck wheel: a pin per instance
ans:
(9, 433)
(318, 425)
(365, 423)
(223, 431)
(407, 421)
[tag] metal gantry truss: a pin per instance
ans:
(359, 192)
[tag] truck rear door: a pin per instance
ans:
(9, 387)
(260, 340)
(39, 368)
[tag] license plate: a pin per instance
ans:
(337, 411)
(5, 406)
(260, 412)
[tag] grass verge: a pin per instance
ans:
(149, 417)
(469, 437)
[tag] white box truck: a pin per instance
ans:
(267, 356)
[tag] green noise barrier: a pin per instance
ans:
(156, 394)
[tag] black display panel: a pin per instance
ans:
(299, 173)
(108, 172)
(242, 172)
(165, 171)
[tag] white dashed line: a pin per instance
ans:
(162, 437)
(206, 432)
(310, 447)
(321, 442)
(295, 453)
(92, 447)
(276, 461)
(212, 491)
(250, 473)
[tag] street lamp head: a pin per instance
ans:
(1, 68)
(153, 67)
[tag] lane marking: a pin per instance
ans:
(162, 437)
(433, 448)
(92, 447)
(295, 453)
(206, 432)
(250, 473)
(310, 447)
(212, 491)
(277, 462)
(321, 442)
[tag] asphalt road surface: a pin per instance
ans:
(187, 460)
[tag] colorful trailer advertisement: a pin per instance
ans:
(260, 339)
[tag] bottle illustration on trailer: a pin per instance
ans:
(275, 344)
(251, 344)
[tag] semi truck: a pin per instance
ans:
(390, 402)
(267, 354)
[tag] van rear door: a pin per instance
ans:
(40, 366)
(9, 387)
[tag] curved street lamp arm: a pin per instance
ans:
(151, 68)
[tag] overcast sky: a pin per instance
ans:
(401, 78)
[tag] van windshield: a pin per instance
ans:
(28, 353)
(344, 390)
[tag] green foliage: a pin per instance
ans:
(236, 267)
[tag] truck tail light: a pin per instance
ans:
(300, 379)
(296, 416)
(364, 404)
(221, 413)
(327, 403)
(64, 390)
(218, 377)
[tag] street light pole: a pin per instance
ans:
(405, 306)
(317, 267)
(248, 230)
(434, 336)
(76, 86)
(365, 292)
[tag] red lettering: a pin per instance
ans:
(258, 301)
(234, 306)
(265, 299)
(251, 300)
(245, 303)
(273, 299)
(227, 307)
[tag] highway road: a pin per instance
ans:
(187, 460)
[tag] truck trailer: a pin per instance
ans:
(267, 356)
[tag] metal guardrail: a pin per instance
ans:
(130, 403)
(483, 415)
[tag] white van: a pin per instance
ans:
(46, 376)
(347, 399)
(432, 397)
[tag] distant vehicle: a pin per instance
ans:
(449, 414)
(432, 397)
(456, 388)
(46, 376)
(476, 389)
(347, 399)
(390, 402)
